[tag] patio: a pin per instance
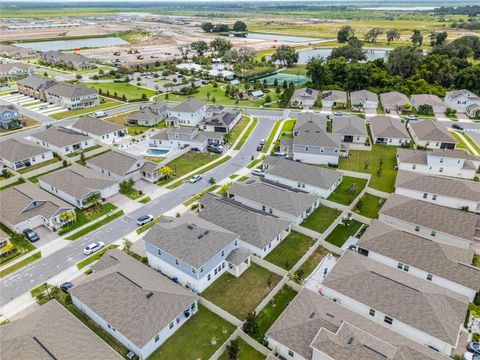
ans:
(314, 281)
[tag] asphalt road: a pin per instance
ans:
(45, 268)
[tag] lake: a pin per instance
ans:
(293, 39)
(72, 44)
(305, 55)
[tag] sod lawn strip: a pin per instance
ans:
(290, 250)
(245, 352)
(348, 190)
(321, 219)
(87, 215)
(271, 136)
(342, 232)
(39, 166)
(107, 104)
(131, 92)
(20, 264)
(94, 257)
(369, 205)
(247, 133)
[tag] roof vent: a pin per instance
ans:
(350, 341)
(191, 226)
(328, 314)
(312, 315)
(149, 295)
(200, 236)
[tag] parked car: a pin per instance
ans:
(259, 147)
(279, 153)
(99, 114)
(258, 172)
(195, 178)
(474, 347)
(42, 107)
(337, 113)
(263, 142)
(66, 286)
(217, 149)
(14, 92)
(411, 117)
(93, 247)
(456, 126)
(31, 235)
(470, 356)
(144, 219)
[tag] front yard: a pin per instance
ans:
(383, 177)
(290, 250)
(87, 215)
(106, 104)
(194, 339)
(321, 219)
(241, 295)
(348, 190)
(369, 205)
(342, 232)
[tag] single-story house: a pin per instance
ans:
(438, 106)
(415, 254)
(10, 117)
(220, 119)
(101, 130)
(26, 206)
(15, 52)
(389, 131)
(431, 134)
(12, 70)
(182, 137)
(136, 305)
(69, 60)
(188, 113)
(76, 184)
(312, 179)
(351, 129)
(193, 251)
(17, 154)
(334, 99)
(363, 99)
(72, 96)
(35, 86)
(395, 101)
(150, 115)
(434, 222)
(304, 98)
(259, 232)
(62, 140)
(460, 100)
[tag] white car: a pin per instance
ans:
(144, 219)
(100, 114)
(94, 247)
(262, 142)
(411, 117)
(195, 178)
(470, 356)
(258, 172)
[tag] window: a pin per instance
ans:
(406, 268)
(176, 261)
(414, 166)
(425, 195)
(433, 233)
(223, 252)
(400, 266)
(264, 208)
(223, 265)
(417, 228)
(372, 312)
(159, 252)
(214, 272)
(157, 338)
(201, 269)
(171, 325)
(209, 277)
(441, 160)
(290, 353)
(429, 277)
(434, 197)
(388, 320)
(306, 148)
(194, 271)
(403, 267)
(441, 169)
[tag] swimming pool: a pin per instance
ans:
(157, 152)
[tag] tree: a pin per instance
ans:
(392, 35)
(221, 28)
(144, 97)
(373, 34)
(417, 38)
(286, 55)
(404, 61)
(438, 38)
(65, 163)
(126, 186)
(212, 181)
(220, 46)
(127, 245)
(268, 99)
(82, 158)
(68, 217)
(250, 325)
(233, 350)
(345, 33)
(425, 109)
(200, 47)
(352, 51)
(239, 26)
(207, 26)
(93, 199)
(165, 172)
(358, 77)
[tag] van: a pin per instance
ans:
(99, 114)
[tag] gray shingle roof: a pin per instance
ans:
(334, 95)
(305, 93)
(349, 125)
(388, 127)
(225, 118)
(189, 105)
(52, 329)
(71, 90)
(96, 126)
(456, 93)
(445, 261)
(117, 162)
(361, 96)
(394, 98)
(460, 189)
(6, 67)
(123, 302)
(424, 306)
(37, 82)
(450, 221)
(431, 130)
(252, 227)
(142, 114)
(291, 202)
(311, 130)
(237, 256)
(61, 136)
(190, 239)
(427, 99)
(17, 150)
(300, 172)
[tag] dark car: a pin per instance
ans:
(259, 147)
(474, 347)
(31, 235)
(456, 126)
(66, 286)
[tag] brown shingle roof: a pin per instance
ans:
(388, 127)
(431, 130)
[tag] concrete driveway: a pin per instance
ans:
(119, 200)
(46, 235)
(145, 186)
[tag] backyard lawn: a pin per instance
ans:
(321, 218)
(245, 352)
(134, 129)
(348, 190)
(107, 104)
(310, 264)
(131, 92)
(241, 295)
(193, 340)
(368, 162)
(342, 232)
(290, 250)
(369, 205)
(273, 310)
(87, 215)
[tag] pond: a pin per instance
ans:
(305, 55)
(72, 44)
(285, 38)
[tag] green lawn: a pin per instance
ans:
(18, 182)
(245, 352)
(368, 162)
(95, 225)
(40, 289)
(321, 218)
(193, 341)
(94, 257)
(299, 69)
(460, 143)
(271, 136)
(107, 104)
(273, 310)
(143, 228)
(290, 250)
(91, 148)
(145, 200)
(20, 264)
(369, 205)
(310, 264)
(133, 194)
(342, 232)
(200, 194)
(287, 129)
(87, 215)
(38, 166)
(254, 163)
(131, 92)
(346, 192)
(241, 295)
(246, 134)
(237, 129)
(21, 246)
(472, 143)
(136, 130)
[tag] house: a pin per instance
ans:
(454, 163)
(188, 113)
(182, 137)
(76, 184)
(68, 60)
(434, 101)
(150, 115)
(397, 300)
(440, 264)
(194, 251)
(395, 101)
(351, 129)
(304, 98)
(15, 52)
(434, 222)
(312, 179)
(289, 203)
(4, 241)
(389, 131)
(334, 99)
(62, 140)
(12, 70)
(52, 332)
(72, 96)
(255, 94)
(313, 327)
(35, 86)
(473, 111)
(26, 206)
(120, 166)
(136, 305)
(259, 232)
(220, 119)
(17, 154)
(431, 134)
(363, 99)
(10, 117)
(101, 130)
(311, 143)
(460, 100)
(455, 194)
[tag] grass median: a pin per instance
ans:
(95, 226)
(94, 257)
(20, 264)
(271, 137)
(246, 134)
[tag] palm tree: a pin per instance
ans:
(127, 245)
(166, 172)
(68, 217)
(93, 199)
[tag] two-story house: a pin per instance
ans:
(220, 119)
(150, 115)
(10, 117)
(460, 100)
(188, 113)
(35, 86)
(62, 140)
(12, 70)
(72, 96)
